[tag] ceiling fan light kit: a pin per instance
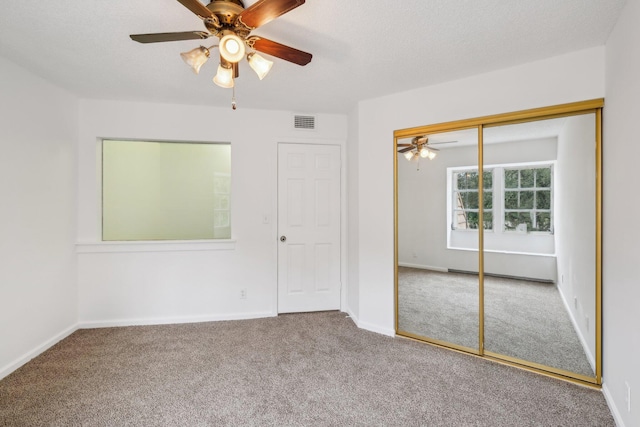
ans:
(259, 64)
(196, 58)
(232, 47)
(418, 148)
(232, 23)
(224, 77)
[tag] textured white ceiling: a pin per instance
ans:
(362, 48)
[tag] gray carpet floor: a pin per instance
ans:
(523, 319)
(315, 369)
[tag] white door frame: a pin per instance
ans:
(343, 213)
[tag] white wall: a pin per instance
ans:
(353, 158)
(130, 284)
(568, 78)
(38, 132)
(621, 282)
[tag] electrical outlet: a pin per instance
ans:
(628, 397)
(243, 293)
(415, 255)
(575, 302)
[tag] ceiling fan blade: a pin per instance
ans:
(280, 51)
(404, 150)
(441, 142)
(264, 11)
(198, 8)
(169, 37)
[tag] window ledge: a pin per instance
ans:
(495, 251)
(155, 246)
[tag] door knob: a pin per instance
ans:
(283, 238)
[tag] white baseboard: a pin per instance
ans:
(612, 406)
(583, 341)
(90, 324)
(353, 317)
(369, 326)
(377, 329)
(6, 370)
(423, 267)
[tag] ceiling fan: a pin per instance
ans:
(232, 24)
(420, 147)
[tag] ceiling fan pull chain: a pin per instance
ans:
(233, 98)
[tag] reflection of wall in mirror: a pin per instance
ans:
(576, 225)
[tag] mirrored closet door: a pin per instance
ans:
(505, 263)
(438, 296)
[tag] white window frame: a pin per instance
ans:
(498, 202)
(534, 210)
(453, 191)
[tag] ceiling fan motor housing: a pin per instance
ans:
(226, 10)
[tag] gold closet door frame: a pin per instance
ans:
(522, 116)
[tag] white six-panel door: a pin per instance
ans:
(308, 227)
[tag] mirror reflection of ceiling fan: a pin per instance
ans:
(420, 147)
(232, 24)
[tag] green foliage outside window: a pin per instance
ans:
(467, 200)
(527, 199)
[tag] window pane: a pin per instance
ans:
(511, 179)
(471, 200)
(165, 190)
(513, 219)
(543, 220)
(487, 200)
(472, 180)
(467, 180)
(487, 220)
(526, 218)
(459, 220)
(526, 178)
(468, 200)
(462, 180)
(526, 200)
(510, 220)
(543, 177)
(472, 220)
(543, 199)
(511, 200)
(487, 178)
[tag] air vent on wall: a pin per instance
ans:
(304, 122)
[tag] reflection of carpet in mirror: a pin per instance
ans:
(523, 319)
